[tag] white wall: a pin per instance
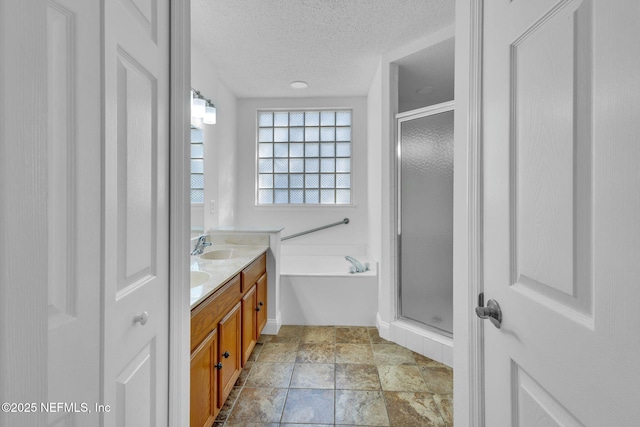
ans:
(220, 143)
(296, 219)
(374, 163)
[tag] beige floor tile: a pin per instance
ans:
(319, 334)
(445, 405)
(255, 352)
(401, 378)
(425, 361)
(438, 380)
(357, 377)
(352, 335)
(354, 353)
(288, 333)
(263, 338)
(306, 376)
(412, 409)
(249, 424)
(279, 352)
(304, 425)
(363, 408)
(316, 353)
(259, 405)
(374, 336)
(265, 374)
(392, 354)
(228, 404)
(244, 373)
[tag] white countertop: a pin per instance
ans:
(218, 272)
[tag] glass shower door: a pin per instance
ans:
(425, 225)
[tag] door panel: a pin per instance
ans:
(134, 404)
(551, 161)
(249, 315)
(561, 238)
(229, 352)
(535, 406)
(73, 207)
(135, 222)
(425, 229)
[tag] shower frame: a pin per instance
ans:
(399, 119)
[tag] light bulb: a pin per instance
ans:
(198, 107)
(210, 115)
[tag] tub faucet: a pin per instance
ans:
(357, 265)
(200, 245)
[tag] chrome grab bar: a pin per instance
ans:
(302, 233)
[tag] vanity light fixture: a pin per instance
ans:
(198, 105)
(209, 113)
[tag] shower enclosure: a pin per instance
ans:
(425, 217)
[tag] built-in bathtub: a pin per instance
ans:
(320, 290)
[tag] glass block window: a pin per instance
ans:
(304, 157)
(197, 165)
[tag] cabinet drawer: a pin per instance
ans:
(252, 273)
(205, 316)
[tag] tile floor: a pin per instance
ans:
(325, 376)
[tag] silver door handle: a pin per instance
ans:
(143, 318)
(491, 311)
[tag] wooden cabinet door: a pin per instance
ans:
(204, 382)
(262, 304)
(229, 352)
(249, 336)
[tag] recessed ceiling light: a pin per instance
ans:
(299, 85)
(425, 90)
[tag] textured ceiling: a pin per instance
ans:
(260, 46)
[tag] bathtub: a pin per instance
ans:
(319, 290)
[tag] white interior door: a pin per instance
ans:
(73, 208)
(135, 219)
(561, 198)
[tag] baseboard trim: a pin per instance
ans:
(421, 341)
(273, 325)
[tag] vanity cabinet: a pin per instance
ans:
(254, 310)
(224, 330)
(261, 310)
(204, 377)
(229, 357)
(249, 335)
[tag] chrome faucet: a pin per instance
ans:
(357, 265)
(200, 245)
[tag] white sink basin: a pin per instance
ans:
(199, 277)
(220, 254)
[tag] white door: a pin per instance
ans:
(561, 194)
(73, 209)
(135, 218)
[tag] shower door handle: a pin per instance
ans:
(491, 311)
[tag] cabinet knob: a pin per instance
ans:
(226, 354)
(219, 365)
(257, 308)
(260, 303)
